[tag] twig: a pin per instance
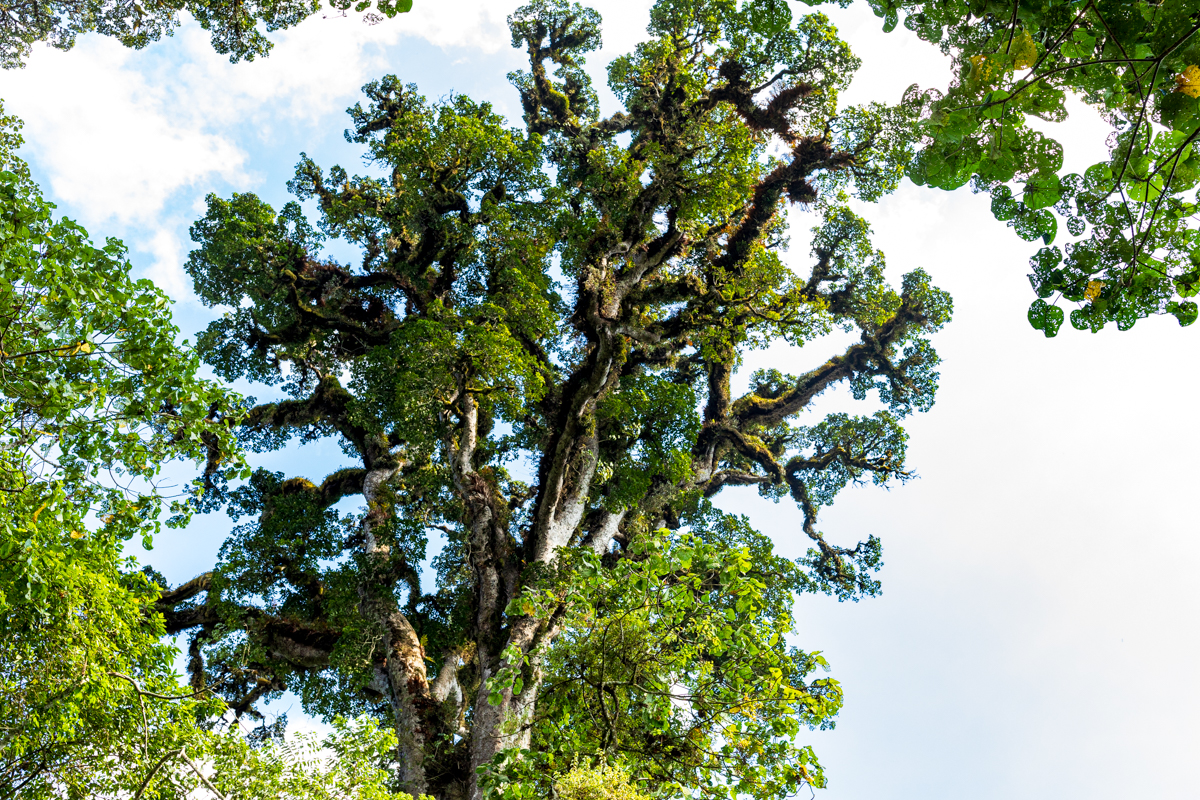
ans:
(196, 769)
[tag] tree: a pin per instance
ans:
(1136, 248)
(234, 26)
(534, 361)
(95, 396)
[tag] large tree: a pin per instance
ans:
(96, 397)
(534, 364)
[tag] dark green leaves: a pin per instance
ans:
(1046, 318)
(1185, 312)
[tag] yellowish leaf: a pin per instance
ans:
(987, 68)
(1024, 51)
(1188, 81)
(602, 782)
(1093, 290)
(76, 535)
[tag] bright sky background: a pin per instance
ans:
(1037, 636)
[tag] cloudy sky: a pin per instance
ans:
(1037, 636)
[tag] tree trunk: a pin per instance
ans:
(407, 680)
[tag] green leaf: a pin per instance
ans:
(1144, 191)
(1186, 312)
(993, 104)
(1045, 317)
(1188, 284)
(1041, 190)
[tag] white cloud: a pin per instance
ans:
(457, 23)
(891, 62)
(106, 132)
(167, 268)
(310, 73)
(119, 132)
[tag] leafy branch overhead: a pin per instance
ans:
(96, 397)
(534, 361)
(1133, 246)
(237, 29)
(95, 394)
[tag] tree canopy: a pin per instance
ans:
(1132, 247)
(531, 370)
(521, 583)
(238, 29)
(96, 397)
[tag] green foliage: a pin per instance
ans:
(238, 29)
(95, 397)
(345, 764)
(652, 422)
(601, 782)
(1132, 219)
(83, 674)
(677, 659)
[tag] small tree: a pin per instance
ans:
(95, 396)
(534, 360)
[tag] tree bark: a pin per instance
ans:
(407, 679)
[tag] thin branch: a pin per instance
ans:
(1012, 26)
(154, 771)
(137, 687)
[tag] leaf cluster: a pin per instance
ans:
(1131, 219)
(237, 29)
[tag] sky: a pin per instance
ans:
(1037, 635)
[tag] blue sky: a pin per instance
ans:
(1037, 636)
